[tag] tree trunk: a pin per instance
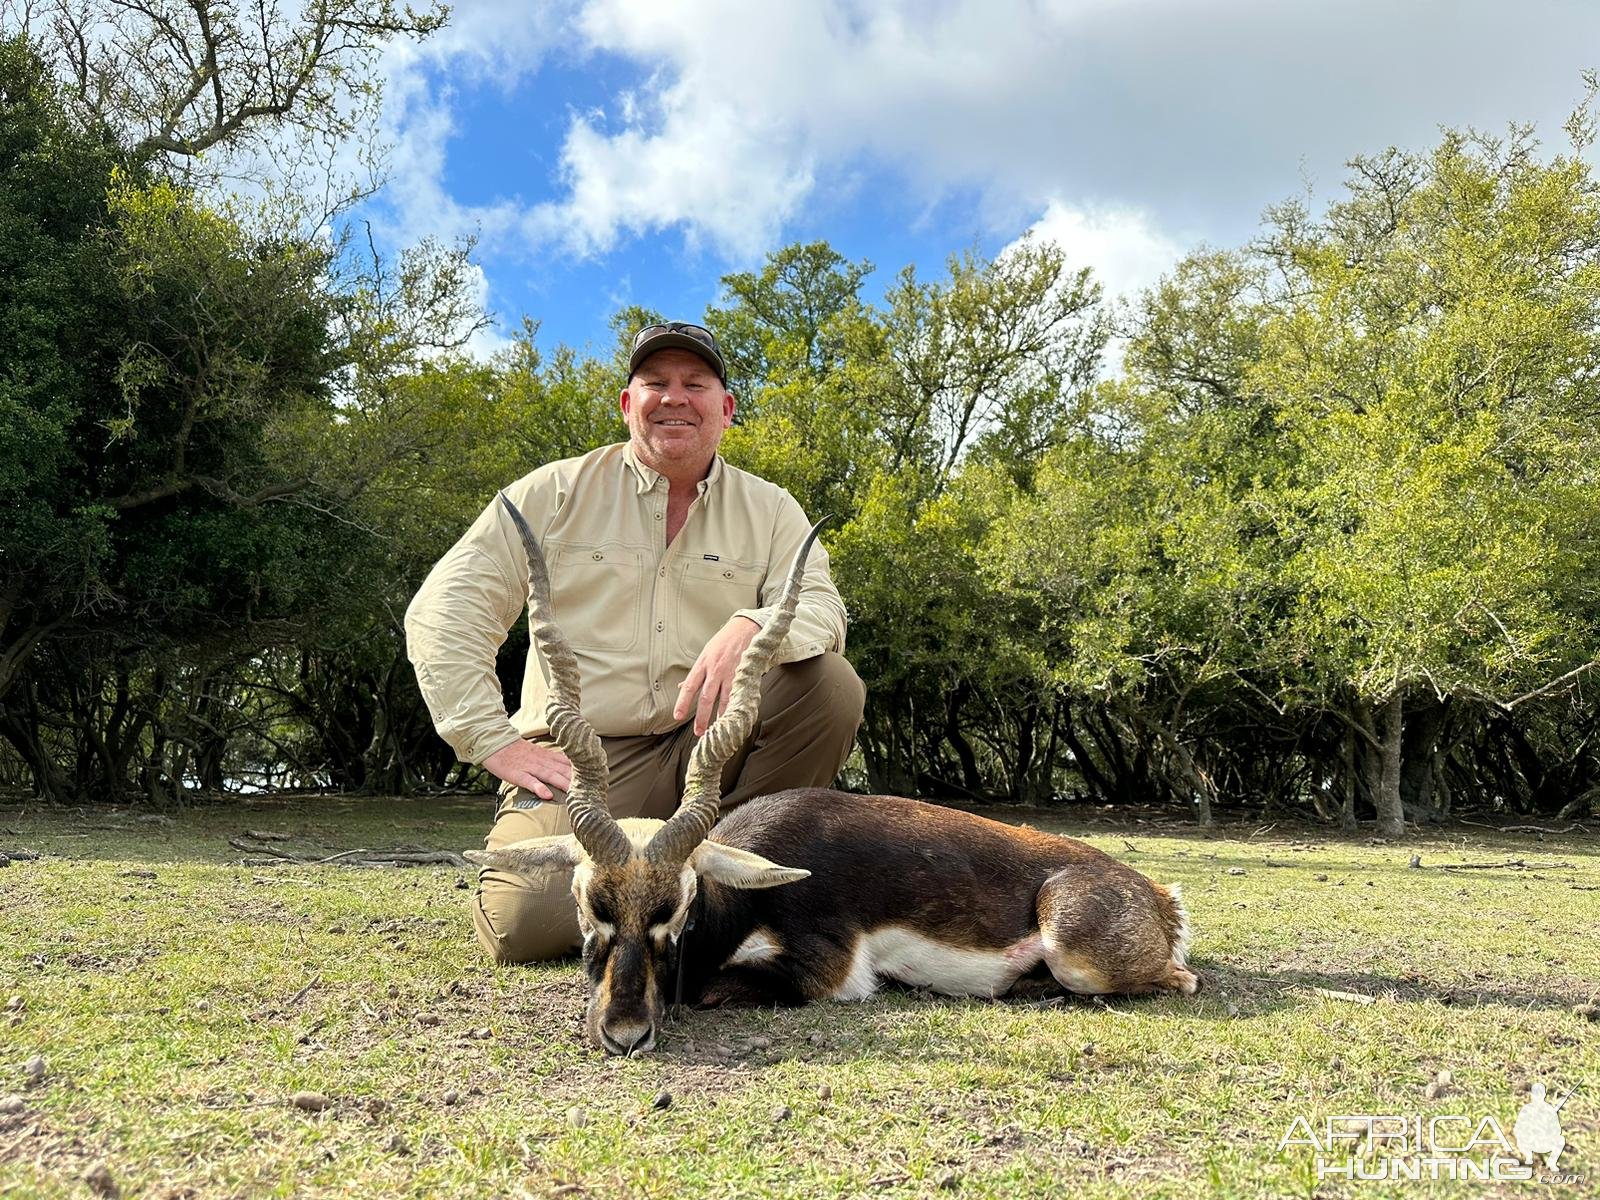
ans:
(1027, 723)
(1347, 813)
(1044, 787)
(1424, 726)
(21, 729)
(1190, 777)
(1094, 780)
(958, 740)
(1441, 785)
(1391, 811)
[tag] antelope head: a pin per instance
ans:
(635, 881)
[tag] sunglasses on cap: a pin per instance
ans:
(698, 332)
(684, 335)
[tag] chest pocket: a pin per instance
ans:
(712, 592)
(598, 594)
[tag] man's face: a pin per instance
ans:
(676, 409)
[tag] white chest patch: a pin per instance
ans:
(912, 958)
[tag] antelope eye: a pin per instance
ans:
(661, 916)
(601, 914)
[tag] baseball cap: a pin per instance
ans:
(677, 335)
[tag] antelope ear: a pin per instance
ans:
(740, 868)
(536, 856)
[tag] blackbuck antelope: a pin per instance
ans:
(820, 895)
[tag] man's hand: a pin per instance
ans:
(530, 765)
(710, 680)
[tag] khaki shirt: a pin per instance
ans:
(637, 611)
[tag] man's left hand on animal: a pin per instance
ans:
(663, 562)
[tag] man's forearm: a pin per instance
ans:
(455, 625)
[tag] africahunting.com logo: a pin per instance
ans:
(1448, 1146)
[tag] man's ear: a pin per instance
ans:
(536, 856)
(728, 405)
(625, 401)
(740, 868)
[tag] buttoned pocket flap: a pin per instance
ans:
(598, 594)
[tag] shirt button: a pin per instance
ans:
(656, 685)
(658, 516)
(663, 572)
(598, 556)
(659, 626)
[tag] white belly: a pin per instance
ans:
(908, 957)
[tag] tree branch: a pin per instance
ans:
(1552, 686)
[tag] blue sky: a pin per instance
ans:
(620, 151)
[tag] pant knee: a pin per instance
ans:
(850, 694)
(824, 689)
(522, 922)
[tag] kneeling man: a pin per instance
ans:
(661, 559)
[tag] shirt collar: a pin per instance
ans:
(646, 478)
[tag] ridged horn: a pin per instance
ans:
(702, 785)
(597, 832)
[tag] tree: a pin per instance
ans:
(1430, 354)
(782, 322)
(176, 79)
(991, 359)
(176, 391)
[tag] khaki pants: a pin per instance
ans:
(806, 724)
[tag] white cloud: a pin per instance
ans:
(496, 42)
(1117, 119)
(751, 105)
(1125, 251)
(1197, 114)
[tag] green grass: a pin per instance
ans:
(169, 1013)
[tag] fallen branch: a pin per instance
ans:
(364, 857)
(1541, 829)
(1525, 828)
(1352, 997)
(241, 844)
(301, 994)
(360, 857)
(1511, 864)
(1100, 1003)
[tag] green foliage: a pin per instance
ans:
(175, 467)
(1430, 359)
(1326, 536)
(788, 319)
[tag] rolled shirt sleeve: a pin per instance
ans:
(456, 624)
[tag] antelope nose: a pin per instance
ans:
(627, 1037)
